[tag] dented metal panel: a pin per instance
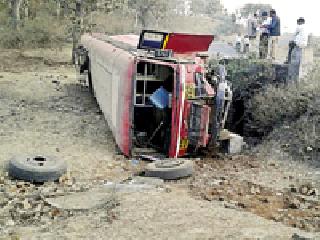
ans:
(186, 43)
(112, 72)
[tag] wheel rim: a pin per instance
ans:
(37, 160)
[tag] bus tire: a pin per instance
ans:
(36, 168)
(170, 169)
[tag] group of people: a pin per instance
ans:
(263, 32)
(262, 38)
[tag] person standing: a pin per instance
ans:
(252, 31)
(296, 48)
(274, 29)
(246, 44)
(264, 36)
(252, 25)
(238, 43)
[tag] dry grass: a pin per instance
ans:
(293, 112)
(39, 32)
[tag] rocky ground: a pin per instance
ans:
(263, 188)
(44, 110)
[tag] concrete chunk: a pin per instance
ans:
(82, 201)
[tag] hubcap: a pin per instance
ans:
(38, 160)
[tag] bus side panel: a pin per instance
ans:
(124, 110)
(112, 73)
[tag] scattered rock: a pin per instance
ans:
(309, 149)
(55, 81)
(293, 189)
(296, 236)
(254, 190)
(230, 205)
(313, 192)
(303, 190)
(294, 204)
(308, 189)
(26, 204)
(10, 222)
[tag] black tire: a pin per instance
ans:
(36, 168)
(170, 169)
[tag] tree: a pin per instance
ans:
(251, 8)
(207, 7)
(58, 8)
(182, 7)
(15, 13)
(151, 11)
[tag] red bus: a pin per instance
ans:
(153, 90)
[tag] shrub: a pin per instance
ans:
(293, 112)
(277, 105)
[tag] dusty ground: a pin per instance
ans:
(44, 110)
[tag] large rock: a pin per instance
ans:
(231, 143)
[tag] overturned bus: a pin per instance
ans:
(154, 90)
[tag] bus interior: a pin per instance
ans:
(153, 91)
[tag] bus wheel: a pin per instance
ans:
(36, 168)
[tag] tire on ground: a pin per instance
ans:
(36, 168)
(170, 169)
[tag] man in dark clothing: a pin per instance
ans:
(274, 29)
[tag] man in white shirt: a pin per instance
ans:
(296, 47)
(300, 38)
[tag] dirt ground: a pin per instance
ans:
(44, 110)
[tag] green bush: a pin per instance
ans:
(277, 105)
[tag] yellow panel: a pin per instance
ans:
(190, 91)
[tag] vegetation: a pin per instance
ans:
(291, 114)
(250, 8)
(45, 23)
